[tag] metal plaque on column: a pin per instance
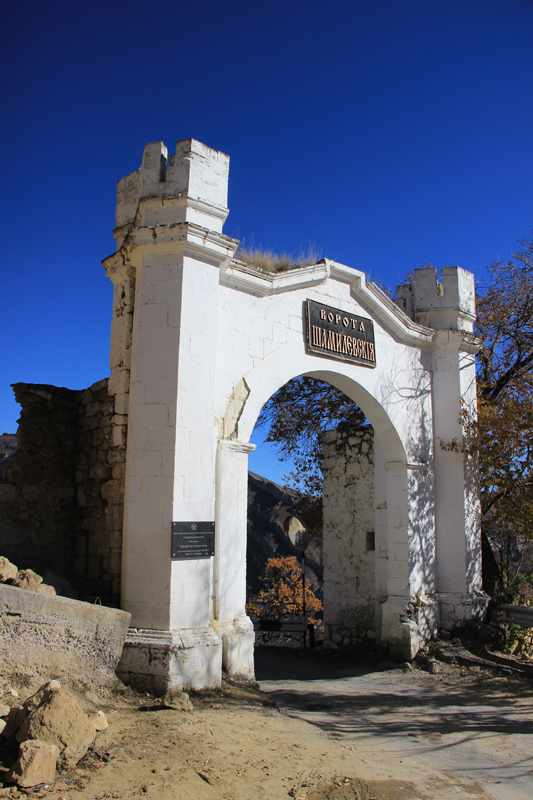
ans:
(192, 540)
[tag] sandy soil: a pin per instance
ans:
(235, 745)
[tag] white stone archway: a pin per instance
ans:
(200, 341)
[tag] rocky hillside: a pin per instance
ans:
(8, 448)
(268, 506)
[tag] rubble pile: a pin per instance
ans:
(51, 729)
(23, 578)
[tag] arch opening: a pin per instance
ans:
(364, 501)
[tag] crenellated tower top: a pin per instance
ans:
(190, 185)
(449, 304)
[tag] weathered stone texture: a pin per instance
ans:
(62, 495)
(35, 765)
(349, 557)
(8, 571)
(100, 494)
(60, 721)
(56, 635)
(38, 512)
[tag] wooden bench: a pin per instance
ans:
(298, 625)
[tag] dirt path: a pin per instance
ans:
(232, 747)
(327, 741)
(463, 731)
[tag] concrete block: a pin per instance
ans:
(146, 463)
(152, 414)
(64, 636)
(119, 382)
(156, 661)
(154, 316)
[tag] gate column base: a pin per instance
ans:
(407, 623)
(456, 608)
(238, 639)
(155, 661)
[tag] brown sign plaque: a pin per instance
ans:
(339, 334)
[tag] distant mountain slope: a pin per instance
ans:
(8, 448)
(268, 506)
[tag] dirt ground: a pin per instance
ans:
(236, 744)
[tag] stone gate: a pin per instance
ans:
(200, 341)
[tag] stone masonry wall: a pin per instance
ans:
(100, 473)
(38, 512)
(61, 497)
(349, 555)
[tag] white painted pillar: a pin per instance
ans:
(348, 511)
(467, 373)
(232, 622)
(171, 233)
(449, 308)
(449, 474)
(381, 541)
(395, 629)
(410, 614)
(458, 539)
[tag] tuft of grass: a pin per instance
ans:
(269, 261)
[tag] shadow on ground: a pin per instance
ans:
(474, 721)
(306, 664)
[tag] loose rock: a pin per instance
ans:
(44, 588)
(59, 720)
(17, 714)
(7, 569)
(36, 764)
(14, 720)
(176, 699)
(26, 579)
(99, 720)
(42, 694)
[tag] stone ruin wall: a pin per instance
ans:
(62, 495)
(349, 535)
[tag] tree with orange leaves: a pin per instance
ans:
(282, 595)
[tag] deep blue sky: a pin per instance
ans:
(390, 133)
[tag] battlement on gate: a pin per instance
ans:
(190, 185)
(449, 304)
